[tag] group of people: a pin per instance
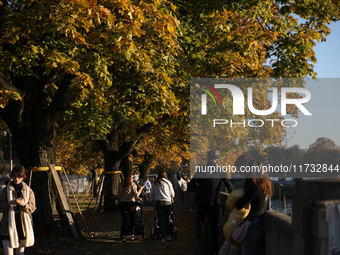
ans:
(205, 189)
(162, 193)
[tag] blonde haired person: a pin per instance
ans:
(17, 201)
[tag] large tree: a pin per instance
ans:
(52, 52)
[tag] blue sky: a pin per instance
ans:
(325, 100)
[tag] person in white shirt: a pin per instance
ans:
(147, 186)
(162, 194)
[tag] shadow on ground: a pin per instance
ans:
(104, 228)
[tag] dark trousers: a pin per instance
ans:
(163, 210)
(213, 213)
(251, 244)
(128, 210)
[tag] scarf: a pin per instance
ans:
(17, 187)
(13, 235)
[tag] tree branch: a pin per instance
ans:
(260, 25)
(9, 86)
(62, 99)
(12, 115)
(128, 146)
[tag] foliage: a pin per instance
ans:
(77, 157)
(323, 151)
(238, 38)
(284, 156)
(140, 68)
(146, 97)
(166, 154)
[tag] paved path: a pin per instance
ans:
(105, 228)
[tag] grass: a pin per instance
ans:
(83, 203)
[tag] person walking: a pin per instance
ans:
(162, 193)
(17, 202)
(147, 188)
(192, 194)
(181, 188)
(128, 194)
(207, 202)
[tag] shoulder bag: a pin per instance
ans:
(241, 231)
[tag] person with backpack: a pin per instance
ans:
(181, 188)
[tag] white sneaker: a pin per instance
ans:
(163, 240)
(169, 239)
(124, 239)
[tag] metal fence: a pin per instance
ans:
(78, 183)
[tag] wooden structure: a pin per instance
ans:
(61, 194)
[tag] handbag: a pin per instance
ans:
(240, 232)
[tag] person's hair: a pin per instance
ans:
(20, 170)
(126, 183)
(265, 183)
(161, 174)
(179, 176)
(213, 155)
(243, 160)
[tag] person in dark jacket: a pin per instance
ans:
(257, 193)
(207, 202)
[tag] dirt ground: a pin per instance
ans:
(105, 229)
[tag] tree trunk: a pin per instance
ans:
(34, 145)
(111, 182)
(125, 165)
